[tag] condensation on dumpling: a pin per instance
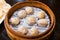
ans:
(42, 22)
(22, 14)
(14, 20)
(29, 10)
(30, 20)
(33, 31)
(22, 29)
(40, 14)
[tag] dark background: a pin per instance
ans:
(53, 4)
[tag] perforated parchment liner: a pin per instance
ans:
(23, 21)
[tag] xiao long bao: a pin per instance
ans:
(42, 22)
(30, 20)
(22, 14)
(22, 29)
(14, 20)
(29, 10)
(33, 31)
(40, 14)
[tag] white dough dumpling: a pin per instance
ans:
(29, 10)
(30, 20)
(42, 22)
(14, 20)
(33, 31)
(22, 29)
(40, 14)
(22, 14)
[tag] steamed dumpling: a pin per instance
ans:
(42, 22)
(33, 31)
(30, 20)
(40, 14)
(29, 10)
(14, 20)
(22, 29)
(22, 13)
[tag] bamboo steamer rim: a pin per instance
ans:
(30, 3)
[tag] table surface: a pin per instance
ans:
(53, 4)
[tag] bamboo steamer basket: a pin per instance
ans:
(18, 36)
